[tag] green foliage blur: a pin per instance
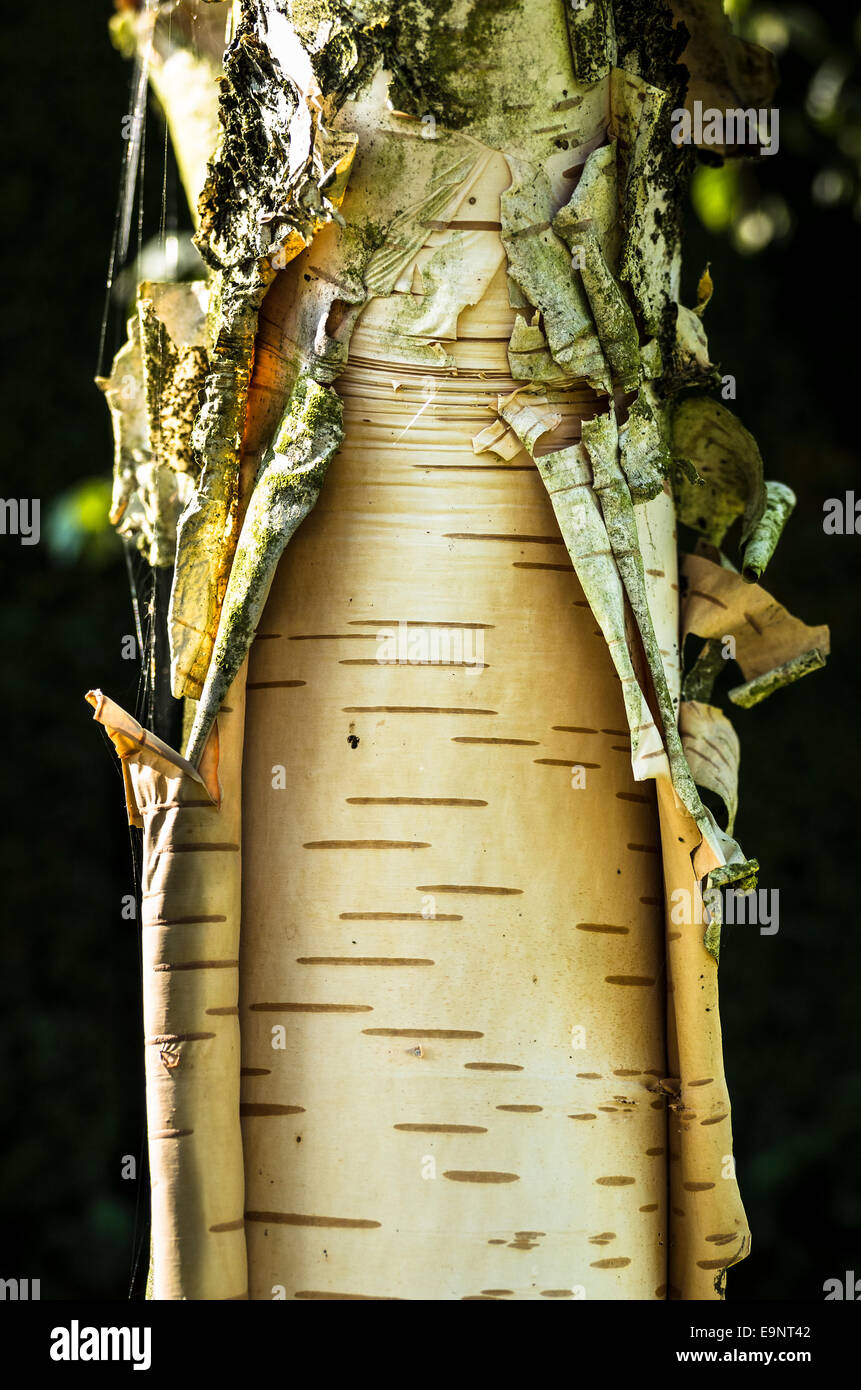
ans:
(781, 237)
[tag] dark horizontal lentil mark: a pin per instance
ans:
(414, 622)
(470, 1175)
(363, 960)
(197, 849)
(465, 226)
(291, 1218)
(710, 598)
(274, 685)
(187, 921)
(491, 1066)
(411, 709)
(398, 917)
(263, 1108)
(501, 536)
(466, 888)
(421, 1033)
(196, 965)
(366, 844)
(441, 1129)
(311, 1008)
(563, 762)
(522, 742)
(414, 801)
(537, 565)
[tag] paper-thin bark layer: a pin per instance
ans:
(452, 900)
(558, 198)
(190, 914)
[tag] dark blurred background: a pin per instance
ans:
(782, 237)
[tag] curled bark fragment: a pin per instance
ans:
(614, 321)
(275, 181)
(645, 453)
(152, 394)
(771, 646)
(779, 505)
(712, 749)
(287, 487)
(727, 459)
(762, 686)
(596, 199)
(539, 263)
(529, 357)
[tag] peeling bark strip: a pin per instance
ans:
(190, 948)
(477, 341)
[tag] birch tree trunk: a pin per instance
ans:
(480, 1049)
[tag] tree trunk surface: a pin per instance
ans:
(480, 1046)
(464, 944)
